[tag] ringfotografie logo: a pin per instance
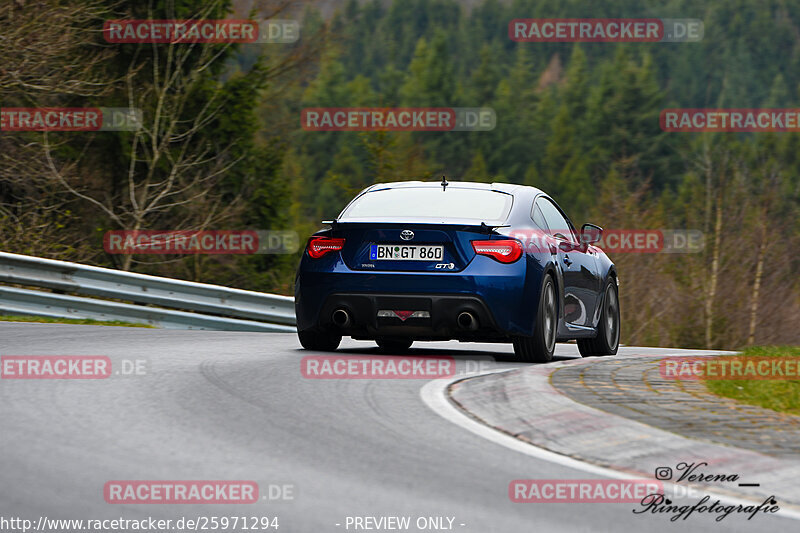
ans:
(696, 472)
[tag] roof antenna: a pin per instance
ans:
(444, 183)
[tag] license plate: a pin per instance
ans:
(406, 252)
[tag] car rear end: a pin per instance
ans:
(415, 260)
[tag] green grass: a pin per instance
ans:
(778, 395)
(88, 321)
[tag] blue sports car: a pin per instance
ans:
(475, 262)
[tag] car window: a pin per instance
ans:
(431, 202)
(556, 222)
(538, 218)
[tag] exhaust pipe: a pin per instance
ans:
(341, 318)
(467, 320)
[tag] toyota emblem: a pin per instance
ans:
(406, 234)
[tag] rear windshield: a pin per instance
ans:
(431, 202)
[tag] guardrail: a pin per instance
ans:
(181, 304)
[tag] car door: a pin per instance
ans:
(578, 265)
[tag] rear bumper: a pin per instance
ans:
(497, 295)
(441, 323)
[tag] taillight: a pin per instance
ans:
(319, 246)
(506, 251)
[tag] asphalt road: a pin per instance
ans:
(234, 406)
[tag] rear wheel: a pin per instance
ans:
(394, 345)
(319, 340)
(540, 347)
(607, 340)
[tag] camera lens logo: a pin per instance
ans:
(663, 473)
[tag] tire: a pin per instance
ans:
(394, 346)
(607, 340)
(319, 340)
(540, 347)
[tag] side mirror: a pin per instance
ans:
(590, 233)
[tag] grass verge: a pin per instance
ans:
(779, 395)
(87, 321)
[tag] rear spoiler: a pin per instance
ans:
(487, 228)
